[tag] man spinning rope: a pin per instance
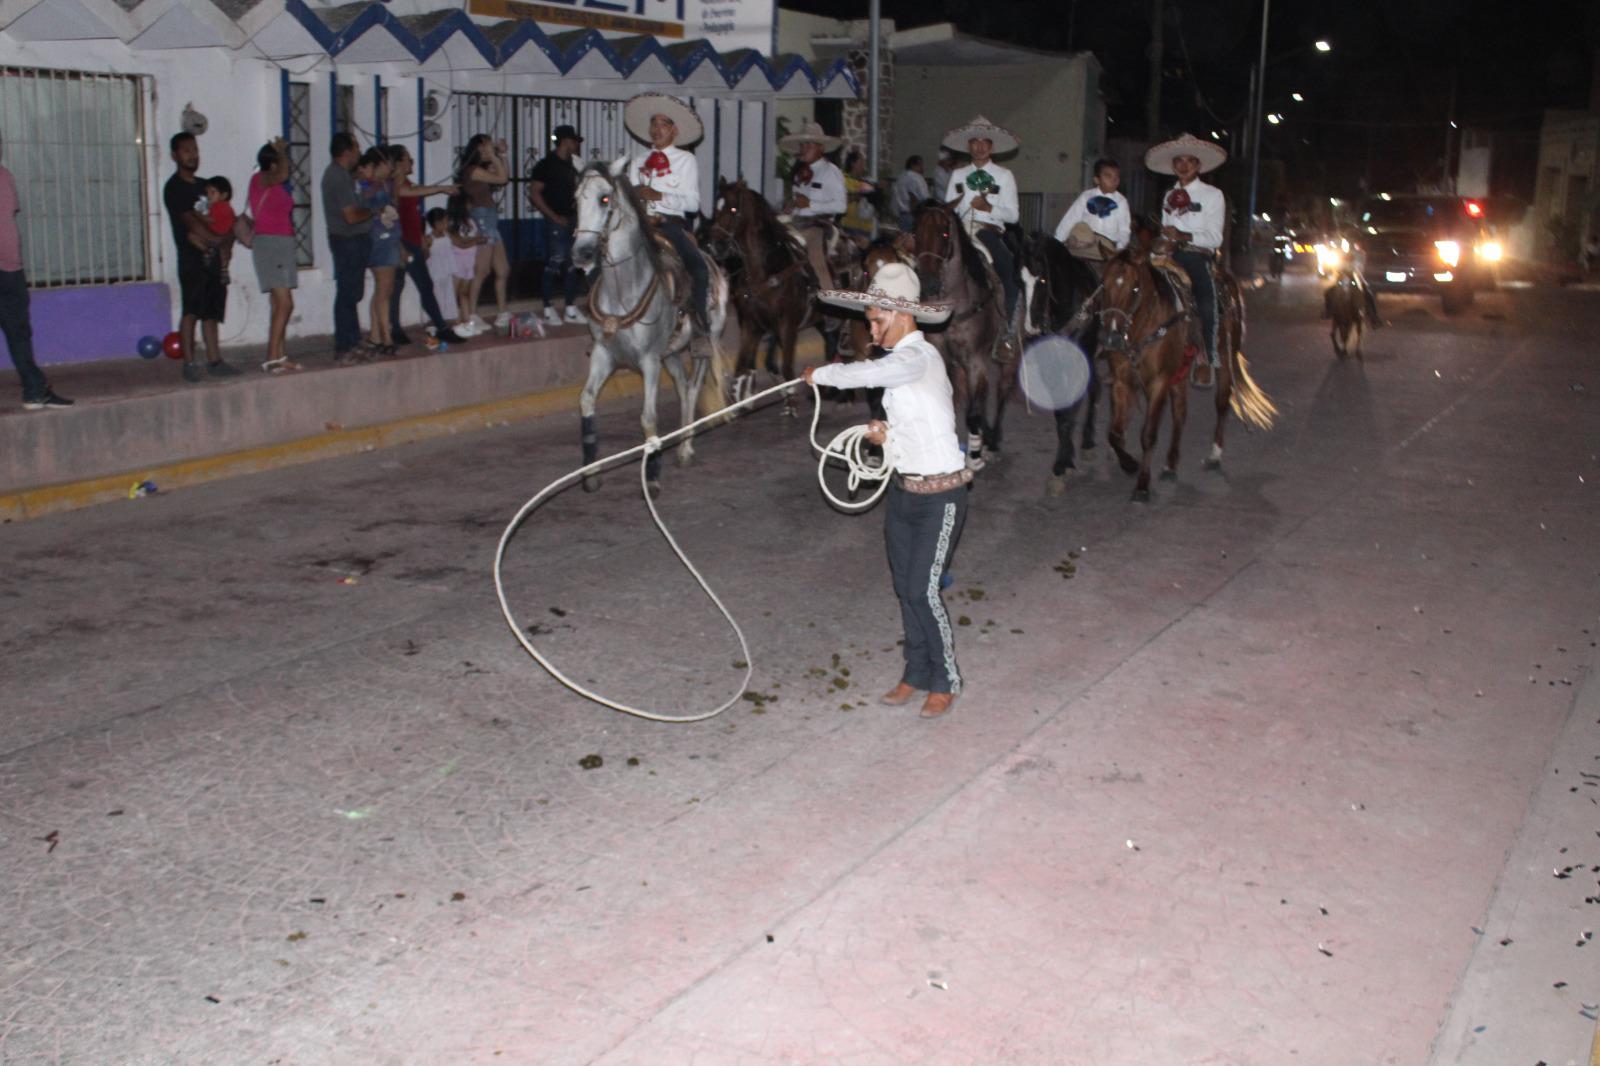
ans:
(928, 498)
(1192, 216)
(818, 193)
(668, 180)
(984, 194)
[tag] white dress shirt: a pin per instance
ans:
(910, 189)
(1203, 217)
(1113, 223)
(917, 399)
(825, 191)
(1002, 204)
(679, 187)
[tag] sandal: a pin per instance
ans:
(281, 365)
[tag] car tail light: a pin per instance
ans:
(1474, 209)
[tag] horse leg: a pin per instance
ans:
(744, 372)
(689, 374)
(650, 368)
(1122, 400)
(1091, 405)
(1224, 400)
(1148, 433)
(1179, 400)
(1005, 378)
(589, 434)
(1066, 420)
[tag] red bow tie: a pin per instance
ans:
(657, 163)
(1178, 201)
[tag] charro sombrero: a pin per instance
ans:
(1001, 138)
(1159, 158)
(638, 111)
(894, 288)
(809, 133)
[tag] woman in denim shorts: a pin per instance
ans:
(377, 194)
(480, 174)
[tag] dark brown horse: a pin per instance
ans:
(953, 271)
(1347, 307)
(1145, 327)
(769, 278)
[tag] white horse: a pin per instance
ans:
(634, 309)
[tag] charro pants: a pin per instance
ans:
(995, 242)
(674, 230)
(920, 531)
(1198, 266)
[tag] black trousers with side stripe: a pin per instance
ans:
(920, 531)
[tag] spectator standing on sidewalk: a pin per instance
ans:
(386, 257)
(408, 198)
(350, 240)
(15, 321)
(272, 206)
(481, 173)
(204, 297)
(553, 191)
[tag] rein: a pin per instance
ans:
(611, 324)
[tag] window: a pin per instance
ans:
(89, 230)
(300, 168)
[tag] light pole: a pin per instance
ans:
(1258, 84)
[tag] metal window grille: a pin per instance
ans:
(525, 123)
(75, 143)
(300, 169)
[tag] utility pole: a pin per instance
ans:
(1255, 132)
(874, 42)
(1152, 103)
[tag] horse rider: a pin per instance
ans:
(984, 195)
(1099, 222)
(928, 497)
(1192, 217)
(818, 193)
(667, 178)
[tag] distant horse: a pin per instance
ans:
(1146, 323)
(633, 311)
(769, 276)
(953, 271)
(1056, 285)
(1347, 307)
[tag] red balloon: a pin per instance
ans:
(172, 344)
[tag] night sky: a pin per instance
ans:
(1377, 107)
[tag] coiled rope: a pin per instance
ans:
(847, 447)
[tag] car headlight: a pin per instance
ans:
(1328, 257)
(1491, 251)
(1449, 251)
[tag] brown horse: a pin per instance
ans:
(1145, 328)
(769, 278)
(1348, 310)
(953, 271)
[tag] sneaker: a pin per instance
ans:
(552, 316)
(220, 369)
(573, 314)
(191, 373)
(45, 402)
(450, 336)
(502, 321)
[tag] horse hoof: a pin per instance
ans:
(1141, 496)
(975, 463)
(1213, 464)
(1129, 465)
(685, 458)
(1169, 475)
(653, 488)
(1055, 486)
(591, 484)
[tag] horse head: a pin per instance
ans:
(608, 210)
(1121, 290)
(937, 241)
(732, 219)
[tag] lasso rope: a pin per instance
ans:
(847, 447)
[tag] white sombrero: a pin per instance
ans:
(637, 113)
(1001, 138)
(809, 133)
(1159, 158)
(894, 288)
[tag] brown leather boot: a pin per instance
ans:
(938, 703)
(898, 695)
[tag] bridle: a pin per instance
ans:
(613, 220)
(610, 324)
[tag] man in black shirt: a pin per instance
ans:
(553, 190)
(205, 297)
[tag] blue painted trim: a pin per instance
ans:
(716, 144)
(422, 142)
(624, 55)
(283, 101)
(738, 142)
(333, 102)
(377, 109)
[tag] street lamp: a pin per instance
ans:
(1297, 98)
(1320, 45)
(1323, 46)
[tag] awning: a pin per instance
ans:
(368, 33)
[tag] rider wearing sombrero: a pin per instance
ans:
(1192, 216)
(818, 192)
(928, 497)
(985, 195)
(667, 178)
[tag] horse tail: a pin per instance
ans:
(1248, 400)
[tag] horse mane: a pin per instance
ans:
(780, 243)
(971, 258)
(635, 203)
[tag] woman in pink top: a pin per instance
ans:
(272, 207)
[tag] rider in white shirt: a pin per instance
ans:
(1193, 214)
(985, 195)
(668, 180)
(1100, 209)
(817, 192)
(910, 189)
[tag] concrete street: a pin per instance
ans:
(1298, 763)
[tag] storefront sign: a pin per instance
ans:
(727, 24)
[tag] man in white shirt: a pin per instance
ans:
(1099, 219)
(910, 189)
(928, 497)
(985, 195)
(940, 181)
(1193, 214)
(817, 192)
(668, 180)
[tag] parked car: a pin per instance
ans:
(1426, 244)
